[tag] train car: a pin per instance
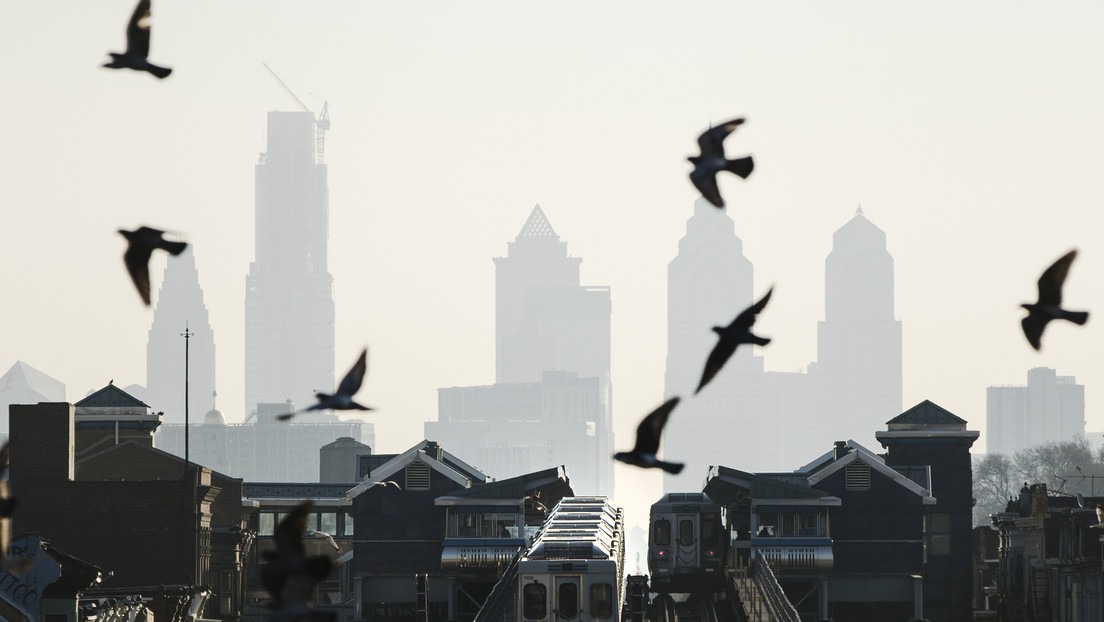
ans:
(573, 570)
(686, 544)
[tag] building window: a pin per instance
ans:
(347, 530)
(601, 600)
(417, 476)
(939, 534)
(662, 529)
(535, 601)
(327, 523)
(266, 524)
(857, 476)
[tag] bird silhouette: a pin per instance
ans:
(1049, 306)
(648, 435)
(289, 575)
(712, 161)
(140, 246)
(731, 336)
(138, 45)
(343, 398)
(312, 533)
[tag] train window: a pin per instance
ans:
(601, 600)
(535, 601)
(567, 600)
(686, 532)
(662, 532)
(711, 530)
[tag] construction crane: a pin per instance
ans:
(321, 124)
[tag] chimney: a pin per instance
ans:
(839, 450)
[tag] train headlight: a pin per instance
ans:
(661, 553)
(710, 553)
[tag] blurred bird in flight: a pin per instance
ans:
(138, 45)
(712, 161)
(140, 246)
(1049, 306)
(343, 399)
(648, 435)
(731, 336)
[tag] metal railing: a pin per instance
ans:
(502, 595)
(762, 596)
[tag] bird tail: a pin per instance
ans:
(161, 73)
(361, 406)
(742, 166)
(674, 468)
(1077, 317)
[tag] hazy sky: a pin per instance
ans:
(969, 132)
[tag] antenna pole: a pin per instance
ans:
(187, 335)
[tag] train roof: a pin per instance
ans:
(580, 528)
(667, 501)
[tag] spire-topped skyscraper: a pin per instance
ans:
(289, 309)
(708, 283)
(180, 305)
(859, 341)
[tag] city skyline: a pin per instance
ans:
(967, 133)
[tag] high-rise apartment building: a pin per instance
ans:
(180, 306)
(289, 309)
(552, 400)
(1051, 408)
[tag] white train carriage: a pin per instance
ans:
(573, 571)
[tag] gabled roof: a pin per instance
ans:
(826, 458)
(875, 465)
(450, 466)
(727, 485)
(111, 396)
(537, 226)
(926, 413)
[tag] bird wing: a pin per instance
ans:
(350, 384)
(138, 30)
(1050, 284)
(1033, 326)
(746, 319)
(711, 141)
(720, 354)
(289, 533)
(650, 429)
(705, 180)
(137, 258)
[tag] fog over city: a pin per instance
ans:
(969, 134)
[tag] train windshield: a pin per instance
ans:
(662, 532)
(601, 600)
(535, 598)
(686, 532)
(567, 601)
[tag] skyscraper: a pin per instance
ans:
(859, 341)
(1051, 408)
(708, 283)
(289, 309)
(179, 306)
(552, 401)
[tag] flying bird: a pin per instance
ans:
(140, 246)
(731, 336)
(138, 45)
(1080, 498)
(1049, 306)
(289, 575)
(648, 434)
(712, 161)
(343, 399)
(312, 533)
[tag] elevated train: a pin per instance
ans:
(687, 544)
(574, 570)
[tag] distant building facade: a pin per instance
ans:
(263, 449)
(180, 306)
(23, 384)
(289, 309)
(1051, 408)
(855, 382)
(552, 338)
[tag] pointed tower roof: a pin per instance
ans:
(111, 396)
(927, 414)
(537, 226)
(22, 375)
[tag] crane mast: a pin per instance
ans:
(321, 124)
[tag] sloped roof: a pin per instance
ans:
(537, 226)
(450, 466)
(727, 485)
(927, 413)
(553, 484)
(875, 465)
(827, 457)
(111, 396)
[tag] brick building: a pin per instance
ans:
(89, 479)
